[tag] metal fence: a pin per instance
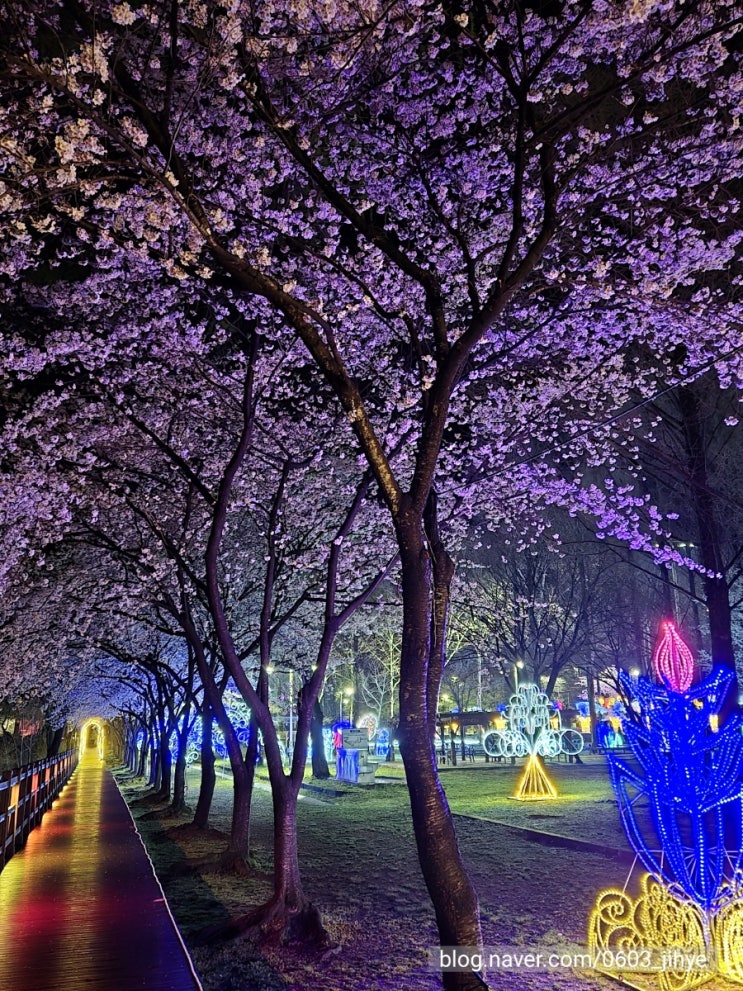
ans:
(25, 795)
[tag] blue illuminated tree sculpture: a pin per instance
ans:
(680, 796)
(690, 770)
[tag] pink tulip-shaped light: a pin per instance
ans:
(672, 660)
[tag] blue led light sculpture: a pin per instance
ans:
(689, 767)
(239, 715)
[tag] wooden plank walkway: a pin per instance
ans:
(80, 906)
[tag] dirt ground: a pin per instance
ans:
(360, 867)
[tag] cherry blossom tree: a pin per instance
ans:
(471, 216)
(148, 502)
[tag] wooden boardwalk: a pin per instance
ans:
(80, 907)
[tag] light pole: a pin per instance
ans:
(348, 695)
(518, 666)
(453, 730)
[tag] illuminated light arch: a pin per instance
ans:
(673, 662)
(101, 730)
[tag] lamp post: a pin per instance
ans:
(518, 666)
(348, 695)
(453, 729)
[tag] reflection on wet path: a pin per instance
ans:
(80, 909)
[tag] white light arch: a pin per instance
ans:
(86, 734)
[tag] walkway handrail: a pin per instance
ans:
(25, 795)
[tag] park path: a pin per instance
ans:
(80, 906)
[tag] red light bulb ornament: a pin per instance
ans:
(672, 660)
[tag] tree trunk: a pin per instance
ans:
(141, 768)
(320, 767)
(238, 845)
(449, 886)
(165, 762)
(591, 696)
(155, 776)
(54, 741)
(288, 916)
(178, 802)
(710, 539)
(208, 777)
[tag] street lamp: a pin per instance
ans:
(454, 729)
(348, 695)
(518, 666)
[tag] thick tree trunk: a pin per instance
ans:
(54, 741)
(208, 776)
(288, 916)
(138, 760)
(449, 886)
(320, 767)
(178, 802)
(710, 538)
(141, 769)
(155, 776)
(165, 763)
(238, 845)
(591, 696)
(243, 774)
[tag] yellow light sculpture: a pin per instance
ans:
(534, 785)
(531, 735)
(657, 920)
(727, 941)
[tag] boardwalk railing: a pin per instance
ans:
(25, 795)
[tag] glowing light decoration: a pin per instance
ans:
(383, 743)
(239, 715)
(673, 662)
(369, 723)
(654, 921)
(534, 731)
(534, 785)
(692, 778)
(687, 764)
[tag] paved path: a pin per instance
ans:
(80, 906)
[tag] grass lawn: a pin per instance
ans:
(360, 867)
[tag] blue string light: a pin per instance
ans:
(689, 767)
